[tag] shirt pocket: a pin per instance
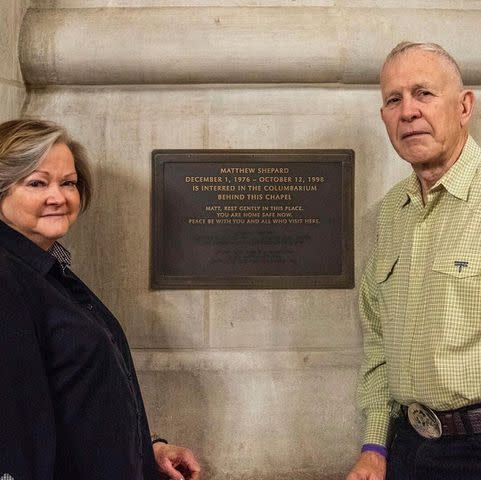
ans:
(387, 288)
(385, 268)
(453, 302)
(459, 254)
(458, 265)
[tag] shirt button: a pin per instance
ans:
(89, 306)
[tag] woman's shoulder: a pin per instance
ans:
(10, 269)
(13, 296)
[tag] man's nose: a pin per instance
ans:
(409, 110)
(55, 195)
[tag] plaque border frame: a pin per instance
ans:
(345, 280)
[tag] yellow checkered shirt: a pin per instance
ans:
(420, 298)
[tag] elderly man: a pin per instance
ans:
(420, 297)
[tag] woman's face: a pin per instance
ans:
(43, 205)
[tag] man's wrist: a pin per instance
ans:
(374, 447)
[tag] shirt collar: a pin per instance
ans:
(27, 251)
(61, 254)
(457, 180)
(412, 189)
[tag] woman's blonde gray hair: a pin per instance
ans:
(24, 143)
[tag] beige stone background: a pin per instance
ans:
(259, 383)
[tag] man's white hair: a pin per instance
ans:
(426, 47)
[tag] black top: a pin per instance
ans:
(70, 403)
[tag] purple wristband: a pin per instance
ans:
(374, 447)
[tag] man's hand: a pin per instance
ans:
(176, 462)
(369, 466)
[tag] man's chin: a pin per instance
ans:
(417, 156)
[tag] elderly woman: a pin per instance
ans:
(70, 404)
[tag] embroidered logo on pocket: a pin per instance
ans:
(6, 476)
(459, 264)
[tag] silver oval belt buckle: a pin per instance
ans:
(424, 421)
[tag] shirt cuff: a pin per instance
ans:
(156, 439)
(374, 447)
(377, 429)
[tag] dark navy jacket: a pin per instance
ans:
(70, 403)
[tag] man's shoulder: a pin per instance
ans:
(396, 196)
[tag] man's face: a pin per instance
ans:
(422, 107)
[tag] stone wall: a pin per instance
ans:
(260, 383)
(12, 89)
(178, 45)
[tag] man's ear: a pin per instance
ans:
(381, 112)
(467, 101)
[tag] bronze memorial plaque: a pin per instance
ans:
(252, 219)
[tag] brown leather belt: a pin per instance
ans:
(463, 421)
